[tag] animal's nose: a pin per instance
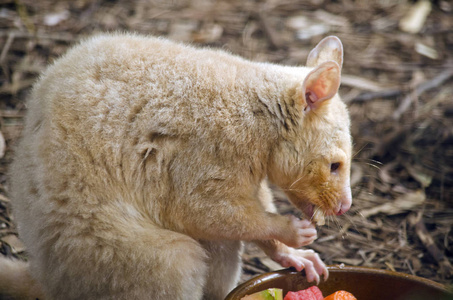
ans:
(342, 210)
(345, 202)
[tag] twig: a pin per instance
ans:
(65, 37)
(374, 95)
(23, 14)
(420, 89)
(361, 83)
(6, 47)
(4, 53)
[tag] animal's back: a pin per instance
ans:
(107, 107)
(117, 131)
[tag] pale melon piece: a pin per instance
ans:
(269, 294)
(319, 217)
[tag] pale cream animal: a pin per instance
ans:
(143, 165)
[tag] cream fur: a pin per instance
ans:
(143, 163)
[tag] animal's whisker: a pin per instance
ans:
(351, 221)
(314, 212)
(372, 165)
(360, 150)
(296, 181)
(369, 160)
(376, 161)
(337, 222)
(293, 190)
(364, 159)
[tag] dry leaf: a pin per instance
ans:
(208, 34)
(182, 30)
(403, 203)
(420, 175)
(415, 18)
(4, 198)
(426, 51)
(272, 265)
(361, 83)
(54, 19)
(313, 30)
(307, 28)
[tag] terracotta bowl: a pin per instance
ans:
(364, 283)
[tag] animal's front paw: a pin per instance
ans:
(301, 233)
(302, 259)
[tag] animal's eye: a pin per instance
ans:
(334, 166)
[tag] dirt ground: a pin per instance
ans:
(397, 81)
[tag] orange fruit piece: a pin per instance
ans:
(341, 295)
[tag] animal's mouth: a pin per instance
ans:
(315, 214)
(309, 211)
(318, 215)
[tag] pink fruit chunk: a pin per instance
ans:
(312, 293)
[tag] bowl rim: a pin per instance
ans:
(262, 278)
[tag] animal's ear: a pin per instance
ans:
(329, 48)
(321, 83)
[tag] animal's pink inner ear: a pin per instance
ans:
(321, 84)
